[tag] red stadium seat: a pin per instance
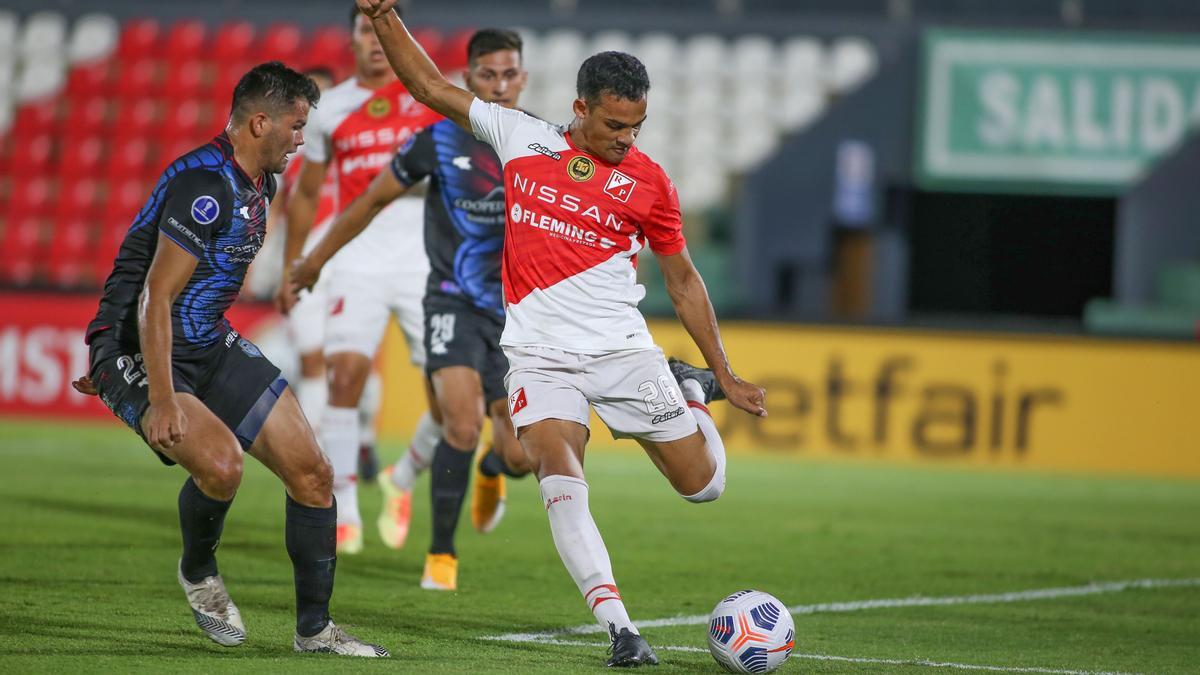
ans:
(185, 40)
(88, 116)
(136, 119)
(453, 54)
(91, 79)
(139, 78)
(68, 251)
(182, 120)
(233, 42)
(280, 42)
(31, 155)
(36, 118)
(139, 39)
(20, 250)
(30, 196)
(131, 157)
(430, 39)
(185, 79)
(79, 198)
(80, 161)
(328, 46)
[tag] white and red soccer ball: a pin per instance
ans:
(751, 632)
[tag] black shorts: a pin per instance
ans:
(460, 334)
(231, 377)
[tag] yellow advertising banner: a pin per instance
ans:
(1073, 404)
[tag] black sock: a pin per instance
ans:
(493, 465)
(201, 520)
(448, 481)
(311, 544)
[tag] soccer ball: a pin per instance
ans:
(750, 632)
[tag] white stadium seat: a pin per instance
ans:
(95, 37)
(706, 52)
(8, 73)
(751, 144)
(6, 116)
(610, 41)
(39, 79)
(799, 107)
(43, 33)
(701, 187)
(851, 62)
(753, 54)
(802, 62)
(659, 51)
(563, 51)
(8, 32)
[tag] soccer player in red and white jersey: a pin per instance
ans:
(381, 274)
(582, 201)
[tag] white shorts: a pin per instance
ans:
(360, 303)
(306, 321)
(632, 391)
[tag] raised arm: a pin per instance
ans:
(690, 298)
(384, 189)
(414, 67)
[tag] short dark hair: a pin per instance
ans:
(614, 73)
(488, 40)
(272, 87)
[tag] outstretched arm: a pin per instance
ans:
(690, 298)
(349, 224)
(414, 67)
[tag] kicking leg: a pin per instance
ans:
(287, 447)
(397, 480)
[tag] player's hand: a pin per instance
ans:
(375, 8)
(285, 297)
(164, 424)
(745, 395)
(85, 386)
(304, 274)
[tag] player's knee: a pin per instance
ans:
(462, 431)
(710, 492)
(221, 478)
(312, 485)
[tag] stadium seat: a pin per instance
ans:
(9, 29)
(659, 52)
(279, 42)
(751, 144)
(90, 78)
(187, 79)
(139, 40)
(851, 62)
(609, 41)
(799, 107)
(755, 55)
(21, 247)
(233, 42)
(138, 78)
(68, 250)
(185, 41)
(430, 40)
(39, 80)
(562, 52)
(79, 161)
(43, 35)
(705, 54)
(453, 54)
(326, 46)
(94, 37)
(802, 62)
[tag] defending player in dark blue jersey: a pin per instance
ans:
(166, 361)
(464, 305)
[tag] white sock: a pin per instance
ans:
(368, 408)
(582, 550)
(313, 393)
(692, 391)
(712, 439)
(339, 440)
(420, 453)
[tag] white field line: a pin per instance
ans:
(852, 659)
(858, 605)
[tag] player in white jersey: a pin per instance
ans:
(355, 133)
(582, 201)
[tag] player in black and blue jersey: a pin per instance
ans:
(165, 360)
(464, 305)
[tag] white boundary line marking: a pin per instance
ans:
(555, 637)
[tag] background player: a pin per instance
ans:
(356, 131)
(582, 201)
(166, 361)
(464, 309)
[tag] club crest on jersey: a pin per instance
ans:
(517, 401)
(205, 210)
(378, 107)
(581, 169)
(619, 186)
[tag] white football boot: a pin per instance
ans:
(214, 611)
(334, 640)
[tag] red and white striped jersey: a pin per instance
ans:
(575, 226)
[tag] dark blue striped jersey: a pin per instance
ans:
(205, 203)
(464, 212)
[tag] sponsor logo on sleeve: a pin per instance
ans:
(619, 186)
(543, 150)
(205, 210)
(581, 169)
(182, 229)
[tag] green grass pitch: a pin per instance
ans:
(90, 540)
